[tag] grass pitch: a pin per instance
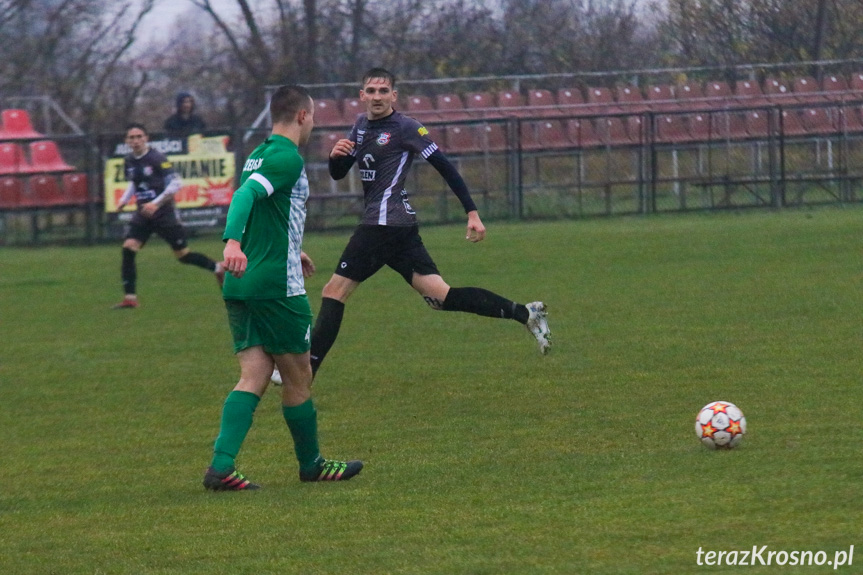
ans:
(482, 457)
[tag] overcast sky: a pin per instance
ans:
(165, 13)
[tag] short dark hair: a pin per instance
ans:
(381, 73)
(136, 126)
(287, 101)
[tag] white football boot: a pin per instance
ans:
(537, 324)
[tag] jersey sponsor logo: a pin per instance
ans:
(383, 139)
(422, 131)
(367, 175)
(252, 164)
(148, 170)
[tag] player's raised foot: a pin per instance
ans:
(331, 470)
(231, 480)
(127, 303)
(220, 274)
(276, 378)
(537, 324)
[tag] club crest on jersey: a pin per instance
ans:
(383, 139)
(148, 170)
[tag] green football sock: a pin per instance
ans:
(302, 420)
(236, 421)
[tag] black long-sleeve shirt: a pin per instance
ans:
(385, 150)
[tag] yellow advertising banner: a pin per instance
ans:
(207, 172)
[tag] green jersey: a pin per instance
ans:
(267, 216)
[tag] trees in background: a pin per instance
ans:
(89, 55)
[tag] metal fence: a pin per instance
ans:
(534, 167)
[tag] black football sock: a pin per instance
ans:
(128, 271)
(199, 260)
(483, 302)
(326, 330)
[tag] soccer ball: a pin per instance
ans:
(720, 425)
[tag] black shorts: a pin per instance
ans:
(372, 247)
(164, 223)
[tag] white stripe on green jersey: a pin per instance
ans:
(267, 216)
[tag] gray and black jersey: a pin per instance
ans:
(384, 151)
(149, 174)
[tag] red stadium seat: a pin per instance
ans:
(542, 103)
(700, 127)
(818, 121)
(511, 102)
(728, 125)
(45, 157)
(661, 98)
(12, 160)
(460, 139)
(481, 105)
(582, 133)
(17, 125)
(421, 108)
(75, 189)
(10, 192)
(856, 83)
(613, 131)
(602, 100)
(327, 113)
(672, 129)
(718, 93)
(492, 137)
(792, 124)
(437, 134)
(629, 99)
(450, 107)
(323, 142)
(351, 108)
(690, 95)
(552, 134)
(749, 93)
(849, 119)
(806, 90)
(544, 135)
(42, 191)
(835, 87)
(757, 123)
(777, 91)
(570, 101)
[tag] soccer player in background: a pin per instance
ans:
(265, 296)
(384, 143)
(153, 183)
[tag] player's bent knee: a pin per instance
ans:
(132, 245)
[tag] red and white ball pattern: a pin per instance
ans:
(720, 425)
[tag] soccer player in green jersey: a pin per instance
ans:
(268, 310)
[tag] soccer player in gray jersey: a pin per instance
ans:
(384, 143)
(153, 183)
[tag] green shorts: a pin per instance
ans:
(279, 325)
